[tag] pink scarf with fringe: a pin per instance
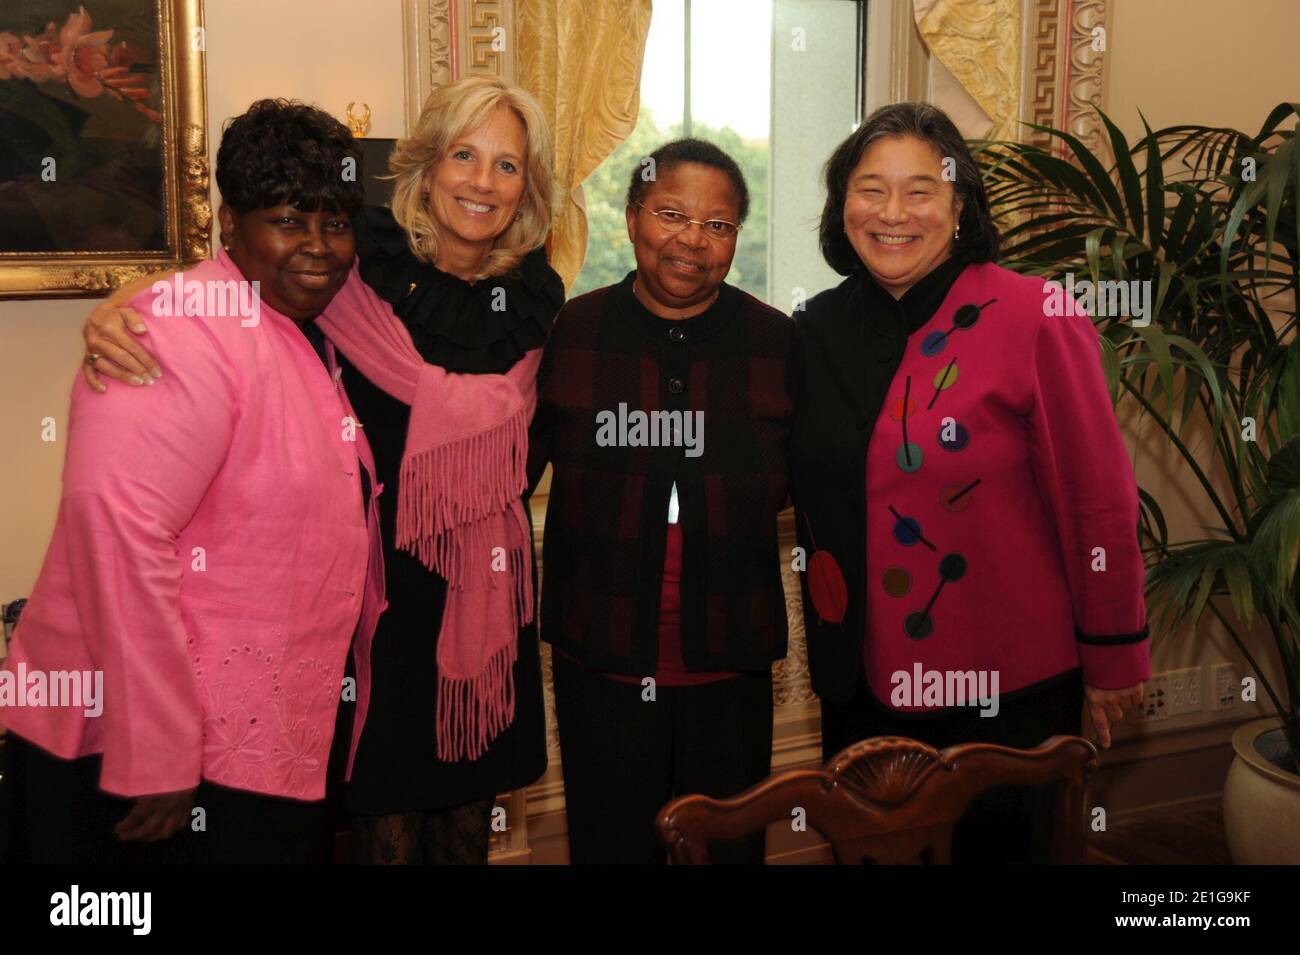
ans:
(458, 507)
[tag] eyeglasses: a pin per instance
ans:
(674, 221)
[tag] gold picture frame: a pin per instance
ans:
(181, 139)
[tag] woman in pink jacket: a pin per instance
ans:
(178, 667)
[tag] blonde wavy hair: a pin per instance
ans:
(448, 113)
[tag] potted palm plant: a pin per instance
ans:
(1206, 219)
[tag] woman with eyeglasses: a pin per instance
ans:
(664, 410)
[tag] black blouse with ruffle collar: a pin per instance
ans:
(481, 327)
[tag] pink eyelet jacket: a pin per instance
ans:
(211, 557)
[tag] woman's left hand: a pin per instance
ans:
(1106, 707)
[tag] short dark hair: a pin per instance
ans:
(282, 151)
(689, 150)
(979, 239)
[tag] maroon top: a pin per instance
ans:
(671, 668)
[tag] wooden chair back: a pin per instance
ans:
(890, 800)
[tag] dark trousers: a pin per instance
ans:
(56, 814)
(1008, 825)
(625, 757)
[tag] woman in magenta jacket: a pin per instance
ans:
(216, 547)
(963, 492)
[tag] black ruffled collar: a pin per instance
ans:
(480, 327)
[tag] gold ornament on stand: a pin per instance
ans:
(360, 125)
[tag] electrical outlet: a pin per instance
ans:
(1155, 700)
(1184, 687)
(1226, 686)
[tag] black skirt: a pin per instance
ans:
(397, 768)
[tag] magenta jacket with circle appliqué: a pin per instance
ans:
(1001, 507)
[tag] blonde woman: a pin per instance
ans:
(454, 711)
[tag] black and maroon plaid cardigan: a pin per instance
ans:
(607, 516)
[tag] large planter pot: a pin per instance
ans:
(1261, 799)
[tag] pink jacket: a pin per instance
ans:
(211, 557)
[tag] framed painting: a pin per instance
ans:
(103, 143)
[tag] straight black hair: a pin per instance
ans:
(979, 237)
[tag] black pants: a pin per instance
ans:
(624, 758)
(56, 814)
(1009, 825)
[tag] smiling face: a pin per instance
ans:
(899, 212)
(475, 189)
(680, 271)
(300, 259)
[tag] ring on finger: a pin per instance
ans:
(91, 358)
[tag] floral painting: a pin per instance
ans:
(81, 164)
(103, 153)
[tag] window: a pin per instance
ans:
(777, 84)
